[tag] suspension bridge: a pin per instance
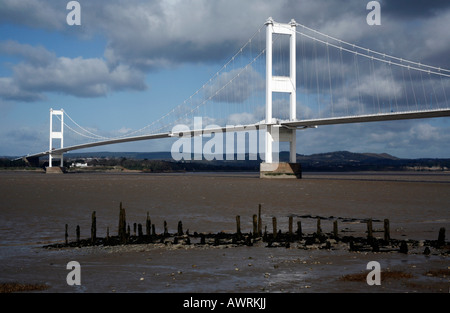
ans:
(284, 78)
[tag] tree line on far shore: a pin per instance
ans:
(340, 161)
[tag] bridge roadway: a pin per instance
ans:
(289, 124)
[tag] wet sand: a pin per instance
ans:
(34, 208)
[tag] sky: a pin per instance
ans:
(130, 62)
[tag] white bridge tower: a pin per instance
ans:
(58, 134)
(281, 84)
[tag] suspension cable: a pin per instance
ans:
(384, 55)
(367, 51)
(82, 128)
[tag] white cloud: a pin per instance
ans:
(49, 14)
(236, 85)
(424, 132)
(32, 54)
(144, 35)
(124, 130)
(377, 84)
(41, 71)
(241, 119)
(9, 91)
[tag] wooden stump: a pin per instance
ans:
(78, 234)
(202, 239)
(93, 228)
(255, 225)
(441, 237)
(259, 221)
(319, 228)
(387, 232)
(335, 229)
(148, 225)
(369, 230)
(299, 229)
(66, 235)
(403, 247)
(122, 224)
(238, 225)
(274, 227)
(290, 225)
(180, 228)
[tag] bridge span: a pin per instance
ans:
(398, 89)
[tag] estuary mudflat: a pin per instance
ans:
(35, 207)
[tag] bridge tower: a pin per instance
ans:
(59, 135)
(282, 84)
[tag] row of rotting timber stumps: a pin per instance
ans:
(276, 238)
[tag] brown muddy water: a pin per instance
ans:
(35, 207)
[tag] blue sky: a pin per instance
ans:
(130, 62)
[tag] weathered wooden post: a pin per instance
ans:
(299, 229)
(387, 232)
(403, 247)
(369, 230)
(122, 225)
(93, 228)
(134, 228)
(66, 235)
(202, 239)
(259, 221)
(166, 232)
(290, 225)
(274, 227)
(148, 225)
(319, 229)
(335, 229)
(140, 233)
(180, 228)
(255, 226)
(441, 237)
(238, 225)
(78, 234)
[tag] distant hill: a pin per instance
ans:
(331, 161)
(349, 161)
(326, 162)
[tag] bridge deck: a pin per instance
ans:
(393, 116)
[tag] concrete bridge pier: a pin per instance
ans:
(54, 170)
(280, 170)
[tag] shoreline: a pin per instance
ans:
(93, 170)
